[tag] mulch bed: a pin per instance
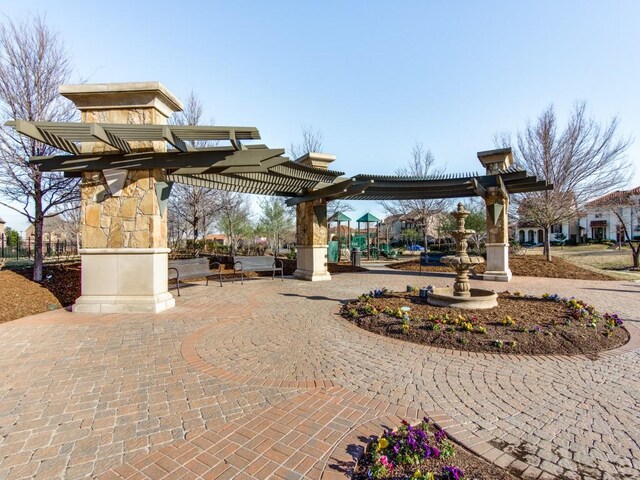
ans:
(520, 265)
(542, 326)
(20, 297)
(344, 268)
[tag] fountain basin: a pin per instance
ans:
(461, 262)
(479, 299)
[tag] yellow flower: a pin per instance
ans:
(417, 474)
(383, 443)
(430, 476)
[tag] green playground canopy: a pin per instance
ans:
(339, 217)
(367, 217)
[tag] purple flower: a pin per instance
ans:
(440, 435)
(435, 451)
(452, 473)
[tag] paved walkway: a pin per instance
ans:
(265, 381)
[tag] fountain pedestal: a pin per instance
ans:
(462, 295)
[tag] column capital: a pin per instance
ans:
(122, 96)
(496, 160)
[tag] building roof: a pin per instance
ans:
(619, 196)
(2, 221)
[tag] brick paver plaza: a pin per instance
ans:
(266, 381)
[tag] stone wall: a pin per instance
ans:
(498, 232)
(311, 223)
(131, 220)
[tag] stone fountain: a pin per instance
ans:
(462, 295)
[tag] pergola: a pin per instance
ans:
(128, 157)
(254, 169)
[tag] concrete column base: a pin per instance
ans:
(497, 263)
(312, 263)
(124, 280)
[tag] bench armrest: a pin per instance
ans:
(176, 270)
(219, 266)
(275, 263)
(234, 266)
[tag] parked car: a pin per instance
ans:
(416, 248)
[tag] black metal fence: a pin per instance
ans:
(17, 248)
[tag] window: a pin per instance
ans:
(556, 228)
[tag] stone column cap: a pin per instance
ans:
(125, 95)
(496, 159)
(316, 160)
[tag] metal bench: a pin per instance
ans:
(192, 268)
(257, 264)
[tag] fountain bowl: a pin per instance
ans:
(479, 299)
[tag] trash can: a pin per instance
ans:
(424, 259)
(356, 256)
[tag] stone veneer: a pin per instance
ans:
(130, 220)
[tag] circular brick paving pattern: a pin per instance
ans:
(264, 379)
(555, 413)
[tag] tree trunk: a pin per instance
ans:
(38, 226)
(547, 242)
(635, 253)
(425, 234)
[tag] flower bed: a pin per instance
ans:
(519, 324)
(422, 452)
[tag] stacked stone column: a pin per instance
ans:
(311, 229)
(497, 207)
(124, 230)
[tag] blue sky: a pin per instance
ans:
(374, 77)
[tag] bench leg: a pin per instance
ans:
(241, 277)
(220, 278)
(282, 274)
(178, 285)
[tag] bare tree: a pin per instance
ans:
(69, 222)
(582, 160)
(422, 212)
(621, 203)
(33, 64)
(193, 209)
(313, 141)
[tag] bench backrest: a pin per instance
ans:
(189, 266)
(251, 262)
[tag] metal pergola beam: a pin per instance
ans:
(174, 140)
(32, 131)
(102, 135)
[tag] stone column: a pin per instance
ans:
(311, 229)
(124, 225)
(497, 206)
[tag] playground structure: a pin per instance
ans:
(339, 243)
(369, 244)
(367, 239)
